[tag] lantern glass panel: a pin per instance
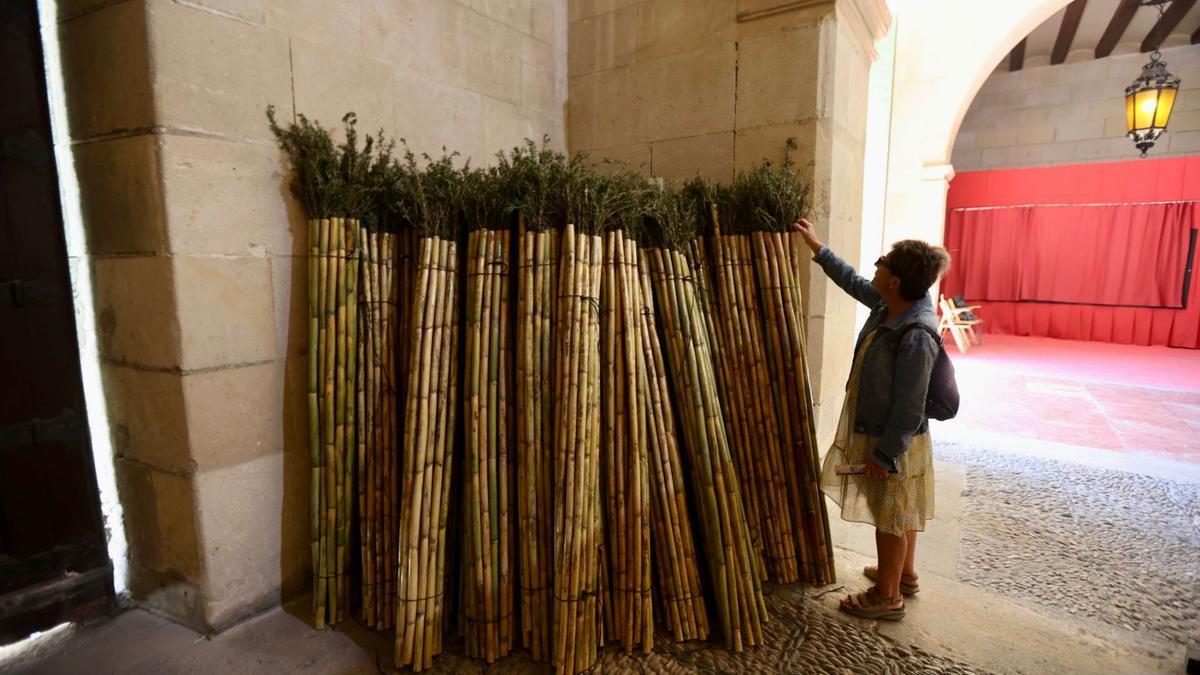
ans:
(1166, 101)
(1145, 104)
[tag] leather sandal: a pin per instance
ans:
(871, 605)
(872, 573)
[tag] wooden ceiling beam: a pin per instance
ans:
(1066, 31)
(1016, 58)
(1170, 19)
(1116, 27)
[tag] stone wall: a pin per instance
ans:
(196, 248)
(1071, 113)
(680, 87)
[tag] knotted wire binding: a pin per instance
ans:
(583, 595)
(427, 598)
(471, 619)
(633, 591)
(685, 598)
(592, 301)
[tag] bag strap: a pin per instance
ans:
(937, 339)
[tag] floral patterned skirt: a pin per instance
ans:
(897, 504)
(900, 503)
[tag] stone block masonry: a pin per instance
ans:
(680, 87)
(197, 249)
(1071, 113)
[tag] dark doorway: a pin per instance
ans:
(54, 562)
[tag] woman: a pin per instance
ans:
(883, 424)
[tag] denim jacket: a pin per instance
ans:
(894, 377)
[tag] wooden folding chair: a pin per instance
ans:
(957, 324)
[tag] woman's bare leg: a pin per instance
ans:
(910, 570)
(892, 550)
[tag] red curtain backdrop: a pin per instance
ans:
(1080, 252)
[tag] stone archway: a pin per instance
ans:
(945, 50)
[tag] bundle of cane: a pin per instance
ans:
(384, 278)
(723, 356)
(433, 202)
(674, 549)
(337, 270)
(746, 391)
(767, 200)
(626, 483)
(488, 534)
(332, 182)
(816, 525)
(376, 415)
(577, 537)
(400, 334)
(536, 183)
(735, 579)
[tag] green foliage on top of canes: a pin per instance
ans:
(354, 169)
(330, 180)
(537, 177)
(430, 197)
(490, 197)
(767, 197)
(672, 218)
(629, 193)
(601, 202)
(705, 194)
(387, 212)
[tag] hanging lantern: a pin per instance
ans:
(1149, 100)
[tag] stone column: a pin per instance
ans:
(106, 69)
(190, 249)
(803, 70)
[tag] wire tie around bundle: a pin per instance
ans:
(686, 598)
(593, 302)
(472, 619)
(583, 595)
(633, 591)
(427, 598)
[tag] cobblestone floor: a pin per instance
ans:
(1069, 540)
(802, 637)
(1114, 546)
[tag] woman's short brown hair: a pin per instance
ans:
(918, 265)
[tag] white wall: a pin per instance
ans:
(945, 50)
(879, 117)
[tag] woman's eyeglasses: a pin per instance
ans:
(882, 262)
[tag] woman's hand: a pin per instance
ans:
(809, 232)
(875, 471)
